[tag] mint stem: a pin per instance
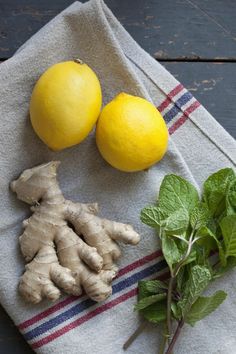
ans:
(163, 345)
(168, 313)
(171, 285)
(163, 341)
(181, 263)
(136, 333)
(175, 337)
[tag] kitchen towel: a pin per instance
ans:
(198, 146)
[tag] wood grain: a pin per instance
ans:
(167, 29)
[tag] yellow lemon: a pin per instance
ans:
(65, 104)
(131, 134)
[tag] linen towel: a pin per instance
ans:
(198, 146)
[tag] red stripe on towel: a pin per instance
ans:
(184, 117)
(172, 93)
(71, 299)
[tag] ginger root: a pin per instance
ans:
(65, 243)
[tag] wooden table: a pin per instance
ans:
(194, 39)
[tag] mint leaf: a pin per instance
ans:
(204, 306)
(170, 251)
(198, 280)
(191, 258)
(215, 190)
(175, 311)
(155, 286)
(199, 216)
(231, 198)
(147, 301)
(152, 307)
(177, 222)
(222, 256)
(218, 181)
(208, 239)
(151, 216)
(150, 287)
(181, 279)
(155, 313)
(210, 242)
(205, 231)
(217, 203)
(221, 270)
(177, 193)
(142, 290)
(228, 227)
(182, 246)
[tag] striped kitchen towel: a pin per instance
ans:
(198, 146)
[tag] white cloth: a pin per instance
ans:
(198, 147)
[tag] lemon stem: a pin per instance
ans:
(78, 61)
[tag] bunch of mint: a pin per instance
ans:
(198, 241)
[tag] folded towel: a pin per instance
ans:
(198, 146)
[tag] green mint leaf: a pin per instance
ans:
(175, 311)
(221, 270)
(199, 278)
(155, 313)
(170, 251)
(177, 222)
(182, 246)
(215, 190)
(213, 225)
(147, 301)
(201, 255)
(205, 231)
(191, 258)
(204, 306)
(151, 216)
(177, 193)
(199, 216)
(181, 278)
(150, 287)
(208, 239)
(209, 242)
(218, 181)
(155, 286)
(142, 290)
(228, 228)
(222, 256)
(231, 198)
(217, 203)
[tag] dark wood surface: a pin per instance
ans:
(186, 29)
(194, 39)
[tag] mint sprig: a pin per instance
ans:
(191, 228)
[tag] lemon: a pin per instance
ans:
(65, 104)
(131, 134)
